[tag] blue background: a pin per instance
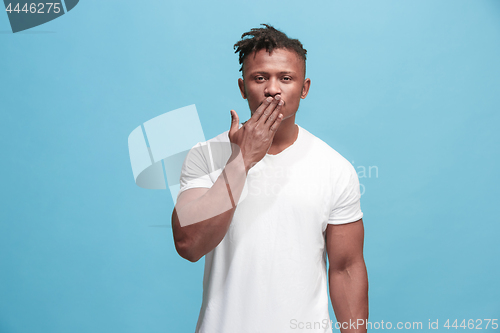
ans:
(410, 88)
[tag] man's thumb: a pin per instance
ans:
(235, 121)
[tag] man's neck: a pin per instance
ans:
(285, 136)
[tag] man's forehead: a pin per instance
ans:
(281, 57)
(275, 53)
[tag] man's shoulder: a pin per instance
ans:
(223, 137)
(323, 150)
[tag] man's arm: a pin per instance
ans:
(347, 275)
(202, 216)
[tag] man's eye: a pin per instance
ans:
(260, 78)
(287, 78)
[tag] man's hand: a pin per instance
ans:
(255, 137)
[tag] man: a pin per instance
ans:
(264, 203)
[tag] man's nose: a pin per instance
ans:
(273, 88)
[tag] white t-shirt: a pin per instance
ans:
(268, 274)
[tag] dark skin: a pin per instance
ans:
(347, 274)
(273, 84)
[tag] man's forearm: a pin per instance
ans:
(349, 295)
(201, 224)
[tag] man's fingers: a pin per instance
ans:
(276, 124)
(256, 116)
(235, 121)
(274, 114)
(270, 109)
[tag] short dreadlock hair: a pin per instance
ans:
(267, 38)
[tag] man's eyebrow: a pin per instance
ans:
(267, 73)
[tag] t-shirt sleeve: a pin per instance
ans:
(346, 207)
(196, 169)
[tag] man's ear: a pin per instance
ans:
(241, 84)
(305, 88)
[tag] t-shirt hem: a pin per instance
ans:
(191, 187)
(354, 219)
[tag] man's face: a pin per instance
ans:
(278, 73)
